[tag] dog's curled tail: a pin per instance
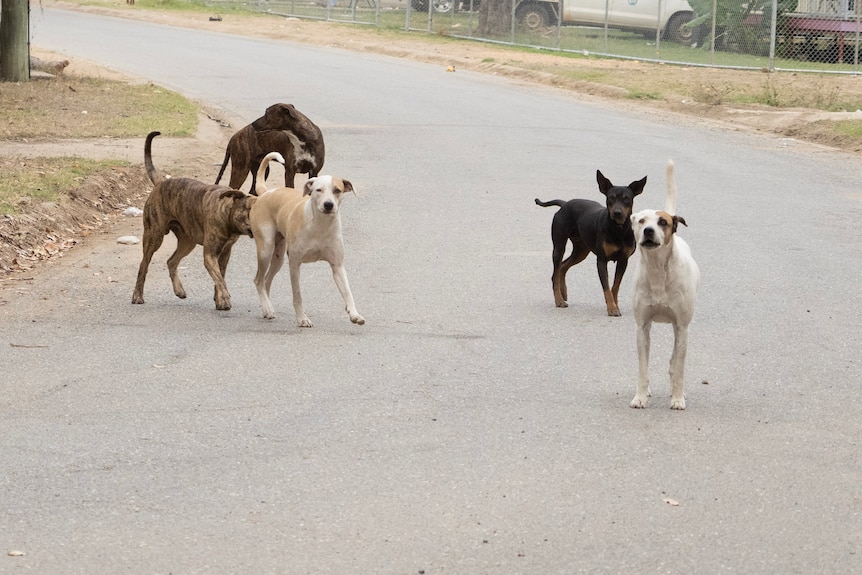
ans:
(670, 200)
(259, 184)
(154, 176)
(558, 203)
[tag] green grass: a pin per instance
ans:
(851, 128)
(45, 179)
(75, 107)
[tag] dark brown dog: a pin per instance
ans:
(198, 213)
(282, 129)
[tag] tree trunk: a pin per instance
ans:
(495, 18)
(15, 41)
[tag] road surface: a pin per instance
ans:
(470, 426)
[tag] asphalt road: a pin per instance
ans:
(470, 426)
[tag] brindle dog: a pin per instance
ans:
(198, 213)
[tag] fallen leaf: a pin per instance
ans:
(670, 501)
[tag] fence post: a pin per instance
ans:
(772, 35)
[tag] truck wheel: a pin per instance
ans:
(532, 17)
(676, 31)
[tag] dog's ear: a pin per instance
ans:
(269, 120)
(234, 194)
(290, 110)
(604, 184)
(306, 189)
(348, 187)
(678, 220)
(638, 186)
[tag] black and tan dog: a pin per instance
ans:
(198, 213)
(282, 129)
(604, 230)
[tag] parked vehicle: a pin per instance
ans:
(442, 6)
(640, 16)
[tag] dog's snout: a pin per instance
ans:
(328, 205)
(649, 232)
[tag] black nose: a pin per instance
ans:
(328, 206)
(649, 232)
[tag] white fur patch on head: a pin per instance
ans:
(652, 228)
(325, 195)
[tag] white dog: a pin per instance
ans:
(306, 225)
(665, 288)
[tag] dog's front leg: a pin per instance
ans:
(610, 300)
(620, 270)
(152, 242)
(185, 245)
(340, 276)
(643, 391)
(677, 367)
(211, 263)
(301, 319)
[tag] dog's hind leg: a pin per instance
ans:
(340, 276)
(276, 261)
(677, 367)
(185, 245)
(643, 391)
(579, 253)
(267, 258)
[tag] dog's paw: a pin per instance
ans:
(137, 299)
(614, 313)
(562, 304)
(357, 319)
(223, 306)
(304, 322)
(638, 402)
(677, 403)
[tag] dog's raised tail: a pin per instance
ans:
(670, 200)
(259, 184)
(154, 176)
(558, 203)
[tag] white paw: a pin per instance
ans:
(677, 403)
(639, 402)
(268, 313)
(357, 319)
(304, 322)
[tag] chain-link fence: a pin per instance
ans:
(803, 35)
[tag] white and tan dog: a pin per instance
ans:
(304, 224)
(664, 291)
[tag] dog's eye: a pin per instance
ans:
(662, 222)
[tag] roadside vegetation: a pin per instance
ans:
(71, 107)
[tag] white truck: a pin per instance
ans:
(640, 16)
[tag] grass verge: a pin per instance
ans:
(23, 181)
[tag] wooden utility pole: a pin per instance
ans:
(15, 41)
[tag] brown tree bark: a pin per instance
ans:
(495, 18)
(15, 41)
